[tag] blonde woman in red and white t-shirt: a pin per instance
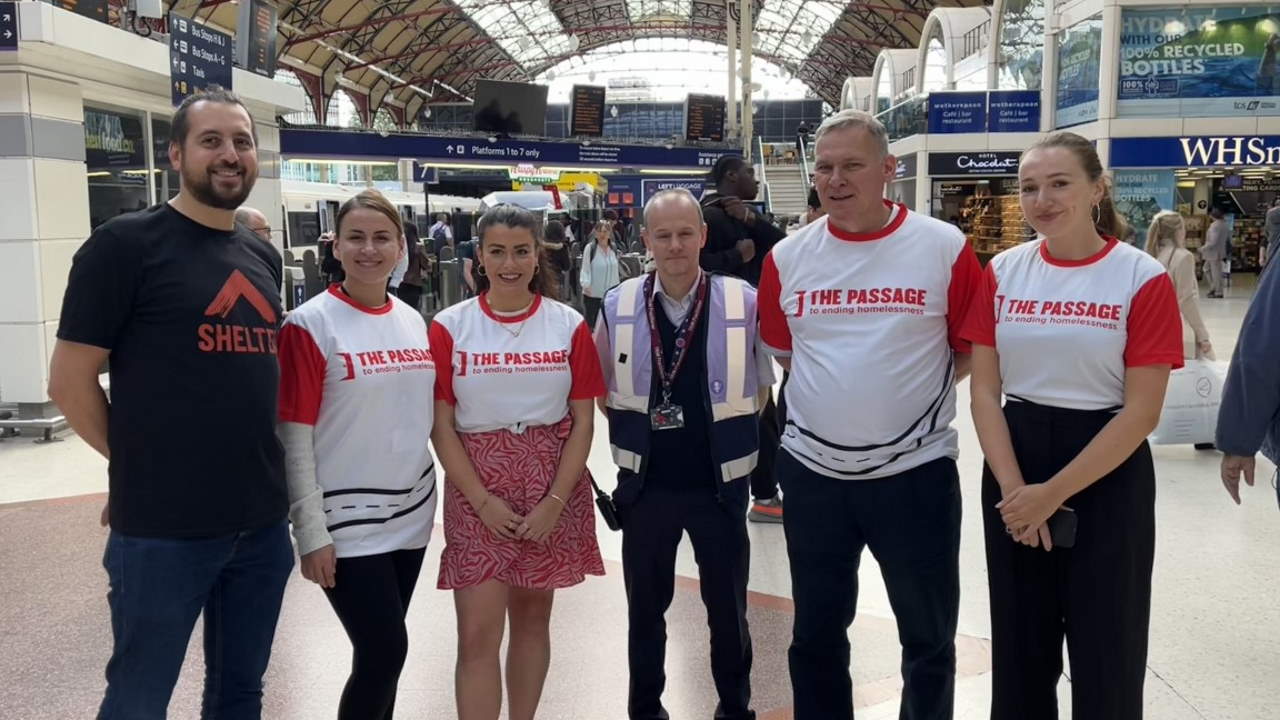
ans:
(1077, 332)
(517, 376)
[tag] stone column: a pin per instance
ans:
(44, 217)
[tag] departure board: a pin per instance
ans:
(586, 111)
(704, 117)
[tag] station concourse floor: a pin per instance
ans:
(1213, 642)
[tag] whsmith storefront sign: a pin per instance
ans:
(976, 163)
(1202, 151)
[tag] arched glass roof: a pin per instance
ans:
(792, 28)
(527, 29)
(664, 69)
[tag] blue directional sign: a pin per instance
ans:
(957, 112)
(199, 56)
(8, 26)
(1013, 111)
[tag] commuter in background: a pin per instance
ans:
(440, 233)
(738, 238)
(600, 270)
(410, 290)
(362, 482)
(667, 347)
(814, 207)
(516, 381)
(465, 256)
(1216, 250)
(255, 221)
(1078, 332)
(557, 247)
(864, 308)
(1271, 233)
(185, 304)
(1249, 419)
(1166, 242)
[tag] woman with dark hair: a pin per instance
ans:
(410, 289)
(354, 374)
(516, 383)
(557, 249)
(1077, 332)
(601, 271)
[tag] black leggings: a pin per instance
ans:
(1096, 594)
(371, 596)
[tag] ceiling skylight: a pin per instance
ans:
(527, 29)
(791, 29)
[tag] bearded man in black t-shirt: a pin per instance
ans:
(184, 304)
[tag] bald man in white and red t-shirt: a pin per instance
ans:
(865, 308)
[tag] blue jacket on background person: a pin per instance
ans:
(1249, 419)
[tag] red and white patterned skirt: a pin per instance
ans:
(519, 469)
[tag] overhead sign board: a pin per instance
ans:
(704, 117)
(471, 150)
(1013, 111)
(1196, 151)
(653, 187)
(8, 26)
(973, 163)
(199, 56)
(957, 112)
(907, 166)
(256, 37)
(586, 111)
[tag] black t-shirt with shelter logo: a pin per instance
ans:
(190, 315)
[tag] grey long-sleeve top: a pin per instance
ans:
(1249, 419)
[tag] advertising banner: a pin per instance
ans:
(957, 112)
(1013, 111)
(1079, 60)
(1140, 194)
(1200, 62)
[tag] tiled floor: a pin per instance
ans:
(1214, 621)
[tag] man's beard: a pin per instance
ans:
(200, 186)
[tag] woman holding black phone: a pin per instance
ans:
(1078, 332)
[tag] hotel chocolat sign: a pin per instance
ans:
(973, 163)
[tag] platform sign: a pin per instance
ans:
(8, 26)
(199, 56)
(586, 111)
(256, 37)
(704, 117)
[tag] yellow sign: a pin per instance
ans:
(569, 180)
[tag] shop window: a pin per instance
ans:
(116, 157)
(1021, 53)
(166, 174)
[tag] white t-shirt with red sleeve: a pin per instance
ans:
(1067, 330)
(363, 377)
(871, 323)
(513, 371)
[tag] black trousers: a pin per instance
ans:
(1097, 594)
(911, 522)
(371, 596)
(411, 294)
(651, 531)
(764, 481)
(592, 307)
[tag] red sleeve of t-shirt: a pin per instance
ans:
(1155, 326)
(980, 321)
(441, 343)
(584, 364)
(302, 368)
(773, 324)
(966, 279)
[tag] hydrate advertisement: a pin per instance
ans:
(1140, 194)
(1079, 59)
(1200, 62)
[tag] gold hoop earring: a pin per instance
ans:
(481, 271)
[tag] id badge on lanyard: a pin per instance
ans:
(667, 415)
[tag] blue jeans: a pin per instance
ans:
(159, 587)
